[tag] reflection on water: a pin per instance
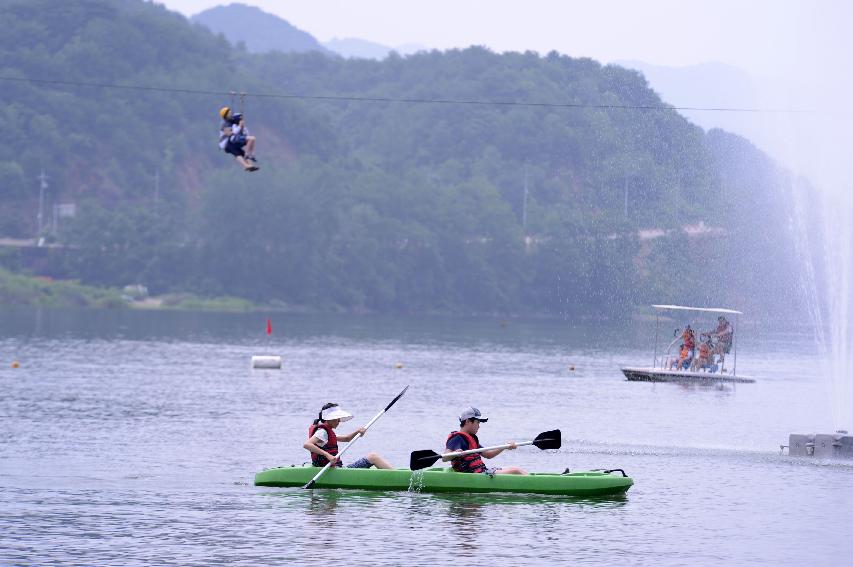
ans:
(462, 519)
(325, 501)
(134, 437)
(510, 499)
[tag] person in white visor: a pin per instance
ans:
(322, 440)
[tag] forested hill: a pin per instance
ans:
(460, 180)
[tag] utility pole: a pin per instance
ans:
(524, 203)
(42, 186)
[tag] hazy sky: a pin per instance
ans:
(761, 36)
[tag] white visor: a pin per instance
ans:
(336, 413)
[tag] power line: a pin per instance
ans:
(339, 98)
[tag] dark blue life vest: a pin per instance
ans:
(331, 447)
(472, 463)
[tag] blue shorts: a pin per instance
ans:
(362, 463)
(235, 148)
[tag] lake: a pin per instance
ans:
(131, 437)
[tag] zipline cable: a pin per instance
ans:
(339, 98)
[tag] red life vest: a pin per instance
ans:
(331, 446)
(689, 339)
(467, 463)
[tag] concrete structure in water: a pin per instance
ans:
(838, 445)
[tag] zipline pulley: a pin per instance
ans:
(233, 98)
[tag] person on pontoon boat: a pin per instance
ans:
(705, 360)
(722, 337)
(689, 338)
(684, 359)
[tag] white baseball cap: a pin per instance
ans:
(335, 412)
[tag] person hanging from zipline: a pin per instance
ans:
(234, 139)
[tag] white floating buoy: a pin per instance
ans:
(266, 362)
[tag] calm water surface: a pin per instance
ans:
(133, 437)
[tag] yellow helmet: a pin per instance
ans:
(223, 112)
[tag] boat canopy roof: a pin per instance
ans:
(705, 309)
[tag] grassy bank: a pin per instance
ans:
(189, 302)
(16, 289)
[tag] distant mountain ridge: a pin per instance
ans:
(719, 85)
(705, 85)
(259, 31)
(362, 49)
(262, 32)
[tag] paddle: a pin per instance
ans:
(423, 459)
(351, 443)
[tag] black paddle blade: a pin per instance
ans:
(423, 459)
(548, 440)
(309, 485)
(400, 395)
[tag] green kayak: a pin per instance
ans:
(591, 483)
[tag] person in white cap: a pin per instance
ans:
(322, 440)
(466, 439)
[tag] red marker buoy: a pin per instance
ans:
(269, 327)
